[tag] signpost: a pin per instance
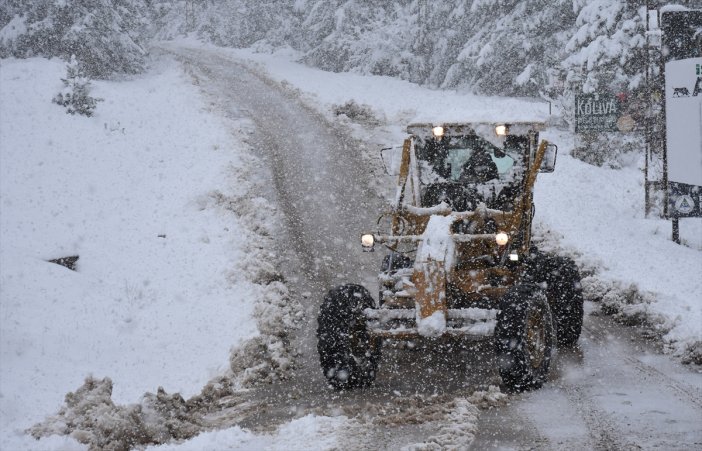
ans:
(683, 95)
(682, 42)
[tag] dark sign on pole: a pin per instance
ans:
(685, 200)
(596, 113)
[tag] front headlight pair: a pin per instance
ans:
(368, 240)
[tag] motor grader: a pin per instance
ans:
(459, 262)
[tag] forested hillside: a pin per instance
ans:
(504, 47)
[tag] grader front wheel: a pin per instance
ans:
(348, 354)
(524, 338)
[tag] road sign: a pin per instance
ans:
(684, 201)
(597, 112)
(683, 105)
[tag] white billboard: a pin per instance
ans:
(683, 105)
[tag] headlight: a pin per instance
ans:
(438, 131)
(502, 130)
(501, 238)
(367, 241)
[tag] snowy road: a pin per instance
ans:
(615, 392)
(316, 175)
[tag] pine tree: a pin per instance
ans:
(75, 95)
(106, 35)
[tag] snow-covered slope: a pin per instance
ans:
(143, 193)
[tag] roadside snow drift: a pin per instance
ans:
(154, 194)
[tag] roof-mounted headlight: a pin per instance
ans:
(438, 131)
(502, 130)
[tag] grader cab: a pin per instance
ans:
(460, 261)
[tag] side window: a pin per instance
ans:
(503, 164)
(457, 159)
(517, 147)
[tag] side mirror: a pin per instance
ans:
(548, 164)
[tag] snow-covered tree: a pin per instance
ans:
(547, 48)
(606, 50)
(105, 35)
(75, 95)
(241, 23)
(361, 35)
(510, 46)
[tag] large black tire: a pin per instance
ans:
(524, 338)
(561, 278)
(348, 355)
(566, 298)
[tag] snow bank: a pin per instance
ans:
(456, 431)
(90, 417)
(307, 433)
(397, 100)
(153, 195)
(597, 215)
(447, 422)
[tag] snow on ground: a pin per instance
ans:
(598, 214)
(143, 193)
(307, 433)
(400, 101)
(595, 214)
(138, 193)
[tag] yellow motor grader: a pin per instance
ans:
(460, 261)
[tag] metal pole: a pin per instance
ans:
(664, 142)
(676, 230)
(649, 113)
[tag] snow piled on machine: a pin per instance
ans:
(436, 246)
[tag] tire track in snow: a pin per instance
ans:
(685, 392)
(623, 402)
(598, 422)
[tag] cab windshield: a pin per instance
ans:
(467, 170)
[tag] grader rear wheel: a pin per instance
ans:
(566, 299)
(565, 296)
